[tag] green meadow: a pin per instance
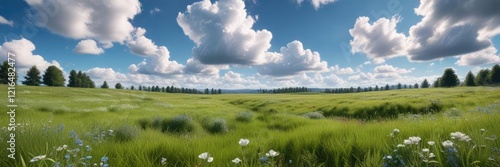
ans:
(137, 128)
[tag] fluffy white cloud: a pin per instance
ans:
(486, 56)
(342, 71)
(193, 66)
(23, 51)
(292, 59)
(223, 33)
(88, 46)
(235, 80)
(5, 21)
(378, 40)
(316, 3)
(362, 76)
(391, 69)
(105, 21)
(106, 74)
(450, 28)
(155, 10)
(156, 60)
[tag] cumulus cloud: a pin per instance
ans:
(378, 40)
(362, 76)
(5, 21)
(316, 3)
(105, 21)
(157, 58)
(486, 56)
(390, 69)
(193, 66)
(155, 10)
(342, 71)
(450, 28)
(223, 33)
(23, 51)
(292, 59)
(107, 74)
(88, 46)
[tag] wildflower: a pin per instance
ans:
(388, 157)
(104, 159)
(401, 145)
(37, 158)
(236, 160)
(447, 143)
(88, 157)
(243, 142)
(163, 160)
(272, 153)
(460, 136)
(105, 165)
(58, 164)
(431, 155)
(110, 132)
(63, 147)
(263, 159)
(206, 156)
(415, 139)
(66, 156)
(88, 148)
(95, 164)
(396, 131)
(425, 150)
(79, 142)
(430, 143)
(407, 142)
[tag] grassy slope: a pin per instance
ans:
(277, 125)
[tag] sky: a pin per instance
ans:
(253, 44)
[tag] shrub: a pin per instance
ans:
(314, 115)
(178, 124)
(143, 123)
(244, 116)
(217, 125)
(125, 133)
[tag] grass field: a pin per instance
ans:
(357, 129)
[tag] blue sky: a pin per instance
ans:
(253, 43)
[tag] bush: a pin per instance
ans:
(178, 124)
(217, 125)
(244, 116)
(125, 133)
(314, 115)
(143, 123)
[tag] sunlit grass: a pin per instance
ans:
(276, 122)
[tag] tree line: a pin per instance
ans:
(285, 90)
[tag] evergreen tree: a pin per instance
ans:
(376, 88)
(415, 86)
(105, 85)
(387, 87)
(219, 91)
(140, 87)
(469, 79)
(482, 77)
(494, 75)
(399, 86)
(4, 73)
(72, 78)
(33, 77)
(118, 86)
(437, 83)
(449, 78)
(53, 77)
(132, 87)
(425, 84)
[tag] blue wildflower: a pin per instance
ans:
(263, 159)
(73, 134)
(66, 156)
(105, 165)
(88, 148)
(88, 157)
(104, 159)
(70, 165)
(57, 164)
(79, 142)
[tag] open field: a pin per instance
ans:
(355, 132)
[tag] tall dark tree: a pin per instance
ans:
(4, 73)
(437, 83)
(494, 75)
(33, 77)
(72, 78)
(132, 87)
(387, 87)
(53, 77)
(104, 85)
(118, 86)
(482, 77)
(399, 86)
(415, 86)
(469, 79)
(449, 78)
(425, 84)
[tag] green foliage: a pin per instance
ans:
(53, 76)
(314, 115)
(469, 79)
(125, 133)
(178, 124)
(118, 86)
(449, 78)
(425, 84)
(105, 85)
(215, 125)
(494, 75)
(80, 80)
(33, 77)
(244, 116)
(437, 83)
(4, 73)
(482, 77)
